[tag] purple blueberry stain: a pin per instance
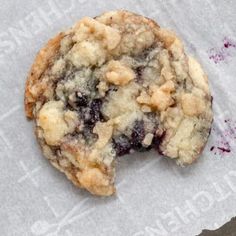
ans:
(228, 43)
(222, 149)
(223, 144)
(218, 54)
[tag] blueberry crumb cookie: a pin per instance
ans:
(112, 85)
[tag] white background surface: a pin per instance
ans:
(155, 197)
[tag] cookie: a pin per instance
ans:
(111, 85)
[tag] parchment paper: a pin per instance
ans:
(155, 197)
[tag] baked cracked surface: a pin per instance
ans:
(112, 85)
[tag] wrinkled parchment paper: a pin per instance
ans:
(155, 197)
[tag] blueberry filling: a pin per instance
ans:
(112, 88)
(139, 72)
(84, 98)
(89, 111)
(81, 100)
(122, 145)
(137, 135)
(92, 113)
(157, 140)
(144, 55)
(95, 111)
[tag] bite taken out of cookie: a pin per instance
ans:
(114, 84)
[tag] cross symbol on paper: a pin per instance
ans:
(9, 113)
(5, 141)
(29, 174)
